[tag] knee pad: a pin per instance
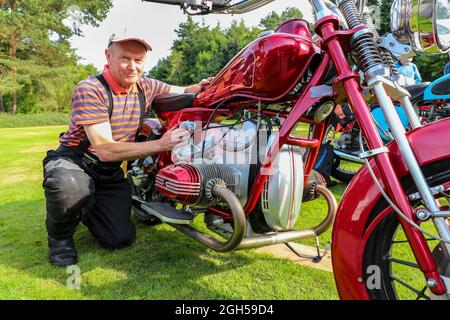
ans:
(66, 192)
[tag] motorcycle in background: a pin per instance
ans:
(248, 179)
(431, 100)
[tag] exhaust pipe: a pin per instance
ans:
(239, 223)
(287, 236)
(237, 241)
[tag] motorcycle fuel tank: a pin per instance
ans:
(267, 69)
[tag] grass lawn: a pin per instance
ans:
(161, 264)
(8, 120)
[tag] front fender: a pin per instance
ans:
(430, 143)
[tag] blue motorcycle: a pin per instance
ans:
(431, 101)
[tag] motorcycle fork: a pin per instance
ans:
(334, 42)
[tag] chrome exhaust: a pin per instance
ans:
(239, 224)
(237, 241)
(287, 236)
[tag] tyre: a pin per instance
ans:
(388, 249)
(343, 170)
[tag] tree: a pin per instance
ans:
(273, 20)
(200, 51)
(34, 42)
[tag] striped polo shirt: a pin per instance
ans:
(90, 104)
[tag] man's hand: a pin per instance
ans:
(109, 150)
(173, 137)
(201, 86)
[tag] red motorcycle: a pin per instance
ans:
(248, 178)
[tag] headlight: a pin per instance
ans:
(424, 24)
(443, 23)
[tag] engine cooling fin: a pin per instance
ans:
(189, 183)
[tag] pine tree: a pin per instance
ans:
(200, 51)
(34, 42)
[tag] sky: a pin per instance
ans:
(157, 24)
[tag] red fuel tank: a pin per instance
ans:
(267, 69)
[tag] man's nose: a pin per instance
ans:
(132, 65)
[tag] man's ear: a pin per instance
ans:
(108, 55)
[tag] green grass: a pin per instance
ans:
(161, 264)
(8, 120)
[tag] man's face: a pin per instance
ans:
(126, 62)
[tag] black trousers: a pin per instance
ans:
(99, 198)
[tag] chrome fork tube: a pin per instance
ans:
(398, 132)
(320, 9)
(410, 113)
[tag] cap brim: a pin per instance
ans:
(141, 41)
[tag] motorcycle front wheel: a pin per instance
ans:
(389, 250)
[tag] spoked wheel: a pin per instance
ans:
(389, 252)
(343, 169)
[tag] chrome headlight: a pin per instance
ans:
(424, 24)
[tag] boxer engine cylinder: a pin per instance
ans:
(234, 156)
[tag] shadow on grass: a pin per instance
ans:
(161, 264)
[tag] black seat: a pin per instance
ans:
(173, 101)
(441, 88)
(416, 91)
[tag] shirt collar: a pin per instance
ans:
(114, 85)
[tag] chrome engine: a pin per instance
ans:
(233, 155)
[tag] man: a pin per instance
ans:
(83, 180)
(409, 74)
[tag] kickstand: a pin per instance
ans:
(315, 259)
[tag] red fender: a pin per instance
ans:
(430, 143)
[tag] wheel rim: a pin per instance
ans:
(388, 248)
(402, 278)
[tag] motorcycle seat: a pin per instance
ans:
(416, 91)
(172, 102)
(441, 88)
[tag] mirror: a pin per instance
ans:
(443, 23)
(424, 24)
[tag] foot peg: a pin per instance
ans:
(166, 213)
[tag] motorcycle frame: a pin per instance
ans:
(335, 45)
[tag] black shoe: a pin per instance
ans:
(62, 253)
